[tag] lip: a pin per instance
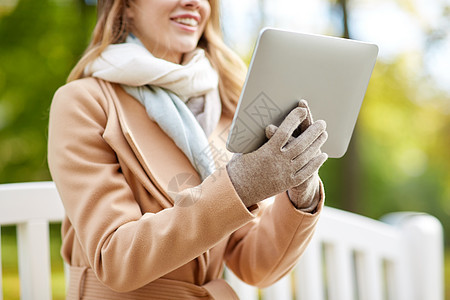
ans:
(186, 27)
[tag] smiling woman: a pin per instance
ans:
(113, 27)
(154, 208)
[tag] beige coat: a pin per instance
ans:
(116, 172)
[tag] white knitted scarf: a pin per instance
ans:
(164, 88)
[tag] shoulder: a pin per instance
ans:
(86, 94)
(80, 88)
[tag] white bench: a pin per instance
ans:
(350, 256)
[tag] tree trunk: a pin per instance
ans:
(344, 10)
(350, 192)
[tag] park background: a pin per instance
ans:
(398, 159)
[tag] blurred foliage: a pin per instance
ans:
(402, 147)
(400, 150)
(40, 42)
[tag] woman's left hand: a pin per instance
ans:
(307, 195)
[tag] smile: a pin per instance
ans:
(187, 21)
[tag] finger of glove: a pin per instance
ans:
(309, 119)
(287, 127)
(306, 182)
(312, 151)
(270, 131)
(304, 140)
(310, 168)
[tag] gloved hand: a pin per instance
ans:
(278, 165)
(305, 196)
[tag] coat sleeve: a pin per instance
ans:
(267, 248)
(125, 247)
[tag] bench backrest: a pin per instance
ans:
(349, 257)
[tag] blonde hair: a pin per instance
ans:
(112, 28)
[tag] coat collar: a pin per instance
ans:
(162, 161)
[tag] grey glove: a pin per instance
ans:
(278, 165)
(307, 195)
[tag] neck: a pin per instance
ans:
(171, 56)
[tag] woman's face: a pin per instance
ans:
(169, 28)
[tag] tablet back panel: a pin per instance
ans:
(331, 73)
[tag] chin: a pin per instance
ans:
(187, 46)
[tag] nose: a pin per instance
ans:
(190, 3)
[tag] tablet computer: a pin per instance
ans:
(330, 73)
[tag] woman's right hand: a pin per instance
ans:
(278, 165)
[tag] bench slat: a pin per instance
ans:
(34, 260)
(308, 273)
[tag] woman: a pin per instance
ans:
(145, 110)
